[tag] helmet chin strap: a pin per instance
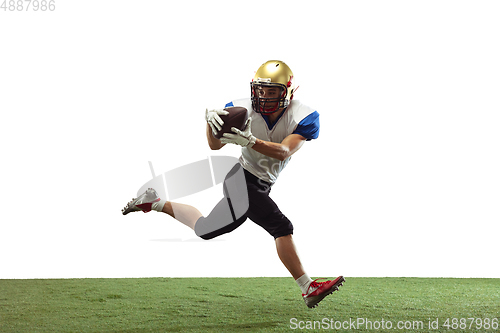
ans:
(274, 111)
(264, 112)
(268, 113)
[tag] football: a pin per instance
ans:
(236, 118)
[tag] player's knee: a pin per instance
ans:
(206, 237)
(284, 229)
(200, 231)
(283, 233)
(211, 228)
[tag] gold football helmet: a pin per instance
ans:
(272, 87)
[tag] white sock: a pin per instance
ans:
(304, 281)
(158, 206)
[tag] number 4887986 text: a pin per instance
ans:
(28, 5)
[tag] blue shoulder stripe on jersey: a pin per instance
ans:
(309, 126)
(229, 104)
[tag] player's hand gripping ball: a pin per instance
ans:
(221, 121)
(243, 138)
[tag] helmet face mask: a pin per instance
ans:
(268, 98)
(272, 87)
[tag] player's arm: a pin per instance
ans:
(280, 151)
(213, 142)
(307, 129)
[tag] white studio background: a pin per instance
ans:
(403, 180)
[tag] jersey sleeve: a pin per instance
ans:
(309, 126)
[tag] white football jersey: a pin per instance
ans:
(297, 118)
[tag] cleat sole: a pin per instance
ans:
(335, 287)
(138, 204)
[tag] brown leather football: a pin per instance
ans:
(236, 118)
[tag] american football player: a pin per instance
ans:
(277, 127)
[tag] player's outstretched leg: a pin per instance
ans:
(186, 214)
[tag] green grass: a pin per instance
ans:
(235, 305)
